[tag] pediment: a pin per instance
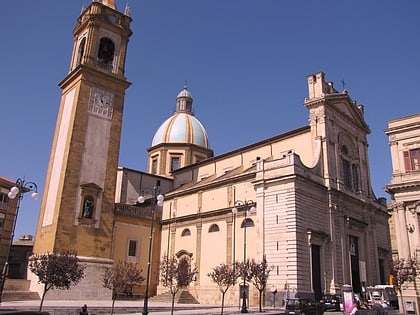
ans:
(352, 112)
(91, 185)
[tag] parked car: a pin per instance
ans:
(303, 306)
(330, 302)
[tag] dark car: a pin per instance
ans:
(330, 302)
(303, 306)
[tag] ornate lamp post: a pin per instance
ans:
(248, 206)
(21, 187)
(234, 213)
(157, 199)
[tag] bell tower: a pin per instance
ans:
(77, 207)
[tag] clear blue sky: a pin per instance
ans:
(245, 63)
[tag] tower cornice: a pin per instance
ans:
(85, 72)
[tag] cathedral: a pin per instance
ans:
(303, 199)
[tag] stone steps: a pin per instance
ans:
(181, 297)
(9, 296)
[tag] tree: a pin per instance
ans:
(406, 272)
(225, 276)
(121, 278)
(54, 270)
(259, 273)
(175, 274)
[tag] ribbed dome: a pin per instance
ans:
(182, 126)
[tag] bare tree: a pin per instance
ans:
(405, 272)
(225, 276)
(121, 278)
(258, 275)
(175, 274)
(59, 271)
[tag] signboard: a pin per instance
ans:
(362, 267)
(348, 301)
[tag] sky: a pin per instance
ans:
(245, 63)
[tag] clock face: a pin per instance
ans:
(101, 102)
(112, 18)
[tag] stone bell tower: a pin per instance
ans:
(77, 207)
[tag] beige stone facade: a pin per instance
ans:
(317, 220)
(77, 210)
(404, 188)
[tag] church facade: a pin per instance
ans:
(316, 218)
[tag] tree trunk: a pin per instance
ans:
(223, 302)
(113, 302)
(42, 298)
(260, 298)
(173, 303)
(402, 303)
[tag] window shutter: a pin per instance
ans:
(407, 164)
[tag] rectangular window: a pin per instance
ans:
(412, 160)
(132, 248)
(355, 177)
(346, 173)
(174, 163)
(4, 199)
(154, 166)
(2, 216)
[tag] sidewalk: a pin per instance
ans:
(129, 307)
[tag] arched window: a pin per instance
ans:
(106, 53)
(350, 170)
(345, 164)
(81, 51)
(214, 228)
(186, 232)
(248, 222)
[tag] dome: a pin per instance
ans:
(184, 93)
(182, 126)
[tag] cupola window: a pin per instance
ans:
(154, 166)
(174, 163)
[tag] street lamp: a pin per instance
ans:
(248, 206)
(157, 199)
(21, 187)
(234, 213)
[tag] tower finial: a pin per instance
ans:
(109, 3)
(127, 10)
